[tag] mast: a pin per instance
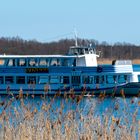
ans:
(76, 42)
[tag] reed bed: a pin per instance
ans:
(22, 119)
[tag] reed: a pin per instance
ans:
(26, 121)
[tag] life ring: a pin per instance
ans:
(99, 69)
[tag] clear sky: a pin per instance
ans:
(48, 20)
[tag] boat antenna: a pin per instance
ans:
(75, 33)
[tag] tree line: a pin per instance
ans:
(18, 46)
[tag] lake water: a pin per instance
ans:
(118, 107)
(95, 111)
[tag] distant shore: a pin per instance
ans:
(109, 61)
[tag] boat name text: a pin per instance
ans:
(37, 70)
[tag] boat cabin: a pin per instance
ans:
(78, 56)
(86, 56)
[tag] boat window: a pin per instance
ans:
(65, 80)
(74, 62)
(80, 51)
(127, 78)
(31, 79)
(75, 80)
(110, 79)
(75, 51)
(54, 79)
(43, 62)
(2, 62)
(20, 80)
(96, 80)
(11, 62)
(65, 62)
(102, 79)
(9, 79)
(87, 79)
(122, 78)
(1, 80)
(91, 51)
(55, 62)
(86, 51)
(115, 78)
(32, 62)
(99, 79)
(43, 79)
(21, 62)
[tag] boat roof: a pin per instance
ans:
(40, 56)
(81, 47)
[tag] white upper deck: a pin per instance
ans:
(77, 56)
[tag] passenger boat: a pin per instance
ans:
(74, 73)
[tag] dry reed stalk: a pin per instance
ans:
(37, 124)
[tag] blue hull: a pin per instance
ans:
(130, 89)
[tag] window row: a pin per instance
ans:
(102, 79)
(36, 62)
(34, 79)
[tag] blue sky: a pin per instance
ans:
(48, 20)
